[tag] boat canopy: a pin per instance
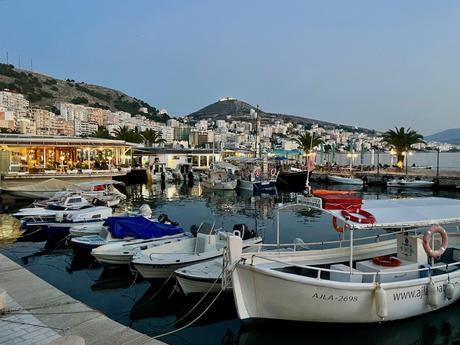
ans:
(139, 227)
(50, 185)
(407, 213)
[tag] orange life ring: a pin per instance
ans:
(339, 228)
(367, 218)
(273, 172)
(435, 229)
(386, 261)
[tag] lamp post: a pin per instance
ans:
(437, 162)
(351, 156)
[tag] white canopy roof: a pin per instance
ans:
(410, 212)
(400, 213)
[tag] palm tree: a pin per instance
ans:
(401, 141)
(152, 137)
(127, 134)
(307, 141)
(101, 132)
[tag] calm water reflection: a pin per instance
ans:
(154, 309)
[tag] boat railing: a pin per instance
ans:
(302, 245)
(375, 275)
(310, 201)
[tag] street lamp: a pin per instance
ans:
(406, 155)
(351, 156)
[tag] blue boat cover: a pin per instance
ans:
(139, 227)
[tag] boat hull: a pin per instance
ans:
(191, 285)
(258, 186)
(316, 300)
(345, 180)
(291, 180)
(414, 184)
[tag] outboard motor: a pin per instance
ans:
(163, 218)
(194, 230)
(244, 231)
(145, 211)
(97, 202)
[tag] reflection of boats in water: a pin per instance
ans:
(165, 301)
(82, 261)
(441, 327)
(115, 278)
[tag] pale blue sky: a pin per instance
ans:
(367, 63)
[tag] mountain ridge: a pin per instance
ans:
(234, 109)
(450, 136)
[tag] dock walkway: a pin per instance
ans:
(38, 313)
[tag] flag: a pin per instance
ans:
(310, 163)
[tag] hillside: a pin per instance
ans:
(451, 136)
(42, 90)
(233, 109)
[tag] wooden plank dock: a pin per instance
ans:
(38, 313)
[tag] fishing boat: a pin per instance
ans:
(345, 180)
(409, 183)
(357, 283)
(218, 179)
(201, 278)
(161, 261)
(292, 179)
(254, 174)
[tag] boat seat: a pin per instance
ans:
(356, 277)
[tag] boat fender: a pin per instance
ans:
(427, 240)
(381, 302)
(432, 294)
(59, 216)
(450, 291)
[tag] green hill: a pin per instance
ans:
(42, 90)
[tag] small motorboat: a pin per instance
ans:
(37, 190)
(409, 183)
(72, 201)
(345, 180)
(160, 262)
(201, 278)
(56, 225)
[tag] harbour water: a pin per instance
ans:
(156, 309)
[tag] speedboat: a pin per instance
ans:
(59, 228)
(67, 202)
(161, 261)
(409, 183)
(358, 283)
(218, 180)
(126, 228)
(345, 180)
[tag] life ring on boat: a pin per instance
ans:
(367, 217)
(386, 261)
(257, 173)
(273, 172)
(338, 228)
(435, 229)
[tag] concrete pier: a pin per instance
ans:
(38, 313)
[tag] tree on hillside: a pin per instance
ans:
(101, 132)
(307, 141)
(127, 134)
(401, 141)
(152, 137)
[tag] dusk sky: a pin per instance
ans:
(365, 63)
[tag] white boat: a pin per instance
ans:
(120, 252)
(201, 278)
(409, 183)
(160, 262)
(40, 190)
(254, 174)
(67, 202)
(157, 172)
(345, 180)
(218, 179)
(355, 284)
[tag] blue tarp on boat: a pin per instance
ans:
(140, 227)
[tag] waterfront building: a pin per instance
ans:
(29, 155)
(45, 121)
